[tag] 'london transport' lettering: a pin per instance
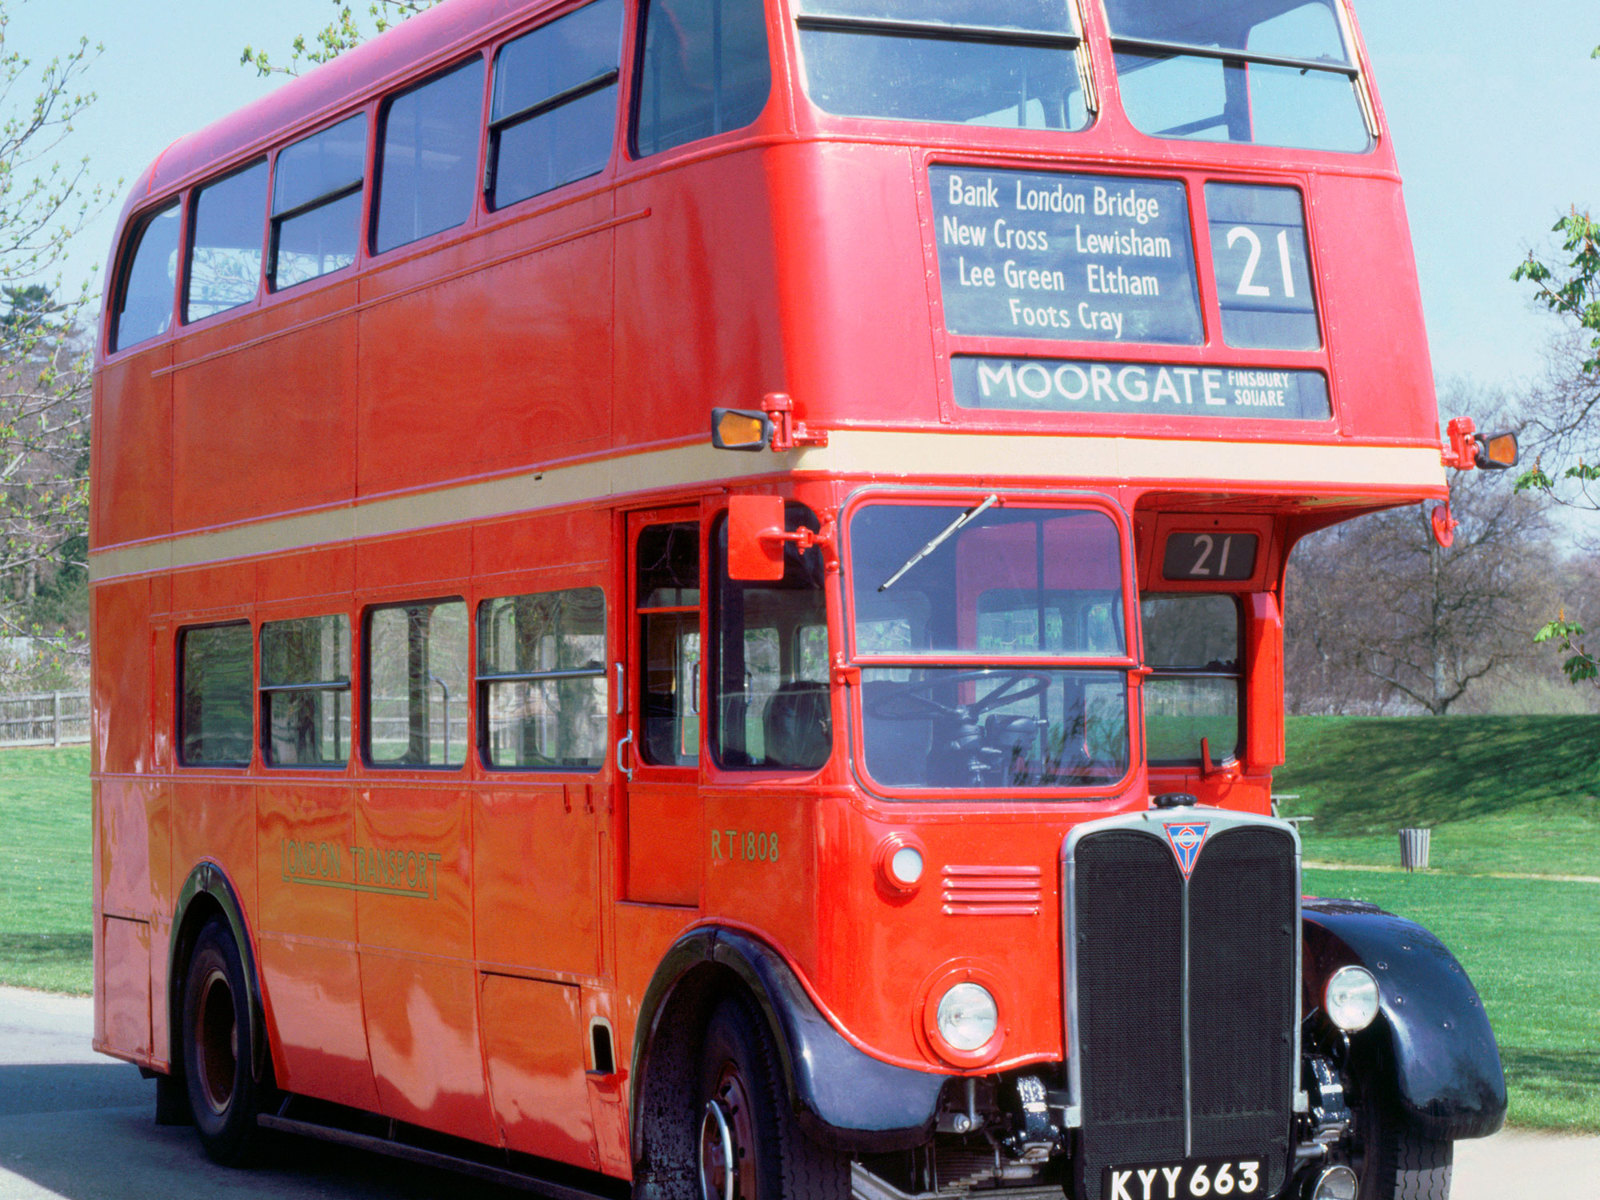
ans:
(413, 873)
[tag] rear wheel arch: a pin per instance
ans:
(209, 895)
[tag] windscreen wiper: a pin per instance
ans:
(938, 541)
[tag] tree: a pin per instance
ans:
(1379, 614)
(1566, 420)
(44, 375)
(333, 39)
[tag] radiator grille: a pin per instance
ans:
(1128, 917)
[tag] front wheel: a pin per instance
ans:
(749, 1146)
(218, 1048)
(1394, 1161)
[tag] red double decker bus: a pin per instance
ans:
(687, 596)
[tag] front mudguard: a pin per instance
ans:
(1448, 1079)
(842, 1096)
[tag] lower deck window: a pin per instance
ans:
(305, 692)
(542, 680)
(215, 681)
(416, 681)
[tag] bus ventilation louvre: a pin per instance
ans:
(1154, 1088)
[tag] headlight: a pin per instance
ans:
(1351, 999)
(968, 1017)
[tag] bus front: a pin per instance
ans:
(1097, 309)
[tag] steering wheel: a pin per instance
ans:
(915, 702)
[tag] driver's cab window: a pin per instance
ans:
(1192, 697)
(771, 705)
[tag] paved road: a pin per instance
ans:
(79, 1126)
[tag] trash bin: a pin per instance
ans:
(1414, 849)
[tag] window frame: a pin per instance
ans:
(1240, 676)
(641, 27)
(1157, 49)
(133, 243)
(797, 516)
(1074, 41)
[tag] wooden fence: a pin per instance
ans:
(44, 719)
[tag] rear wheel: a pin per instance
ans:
(218, 1049)
(750, 1147)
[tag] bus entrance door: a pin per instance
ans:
(660, 754)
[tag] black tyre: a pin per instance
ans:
(1394, 1161)
(218, 1048)
(747, 1129)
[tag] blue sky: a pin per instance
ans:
(1493, 116)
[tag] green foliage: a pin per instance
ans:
(337, 36)
(1581, 666)
(45, 201)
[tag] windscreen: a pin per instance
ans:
(992, 641)
(1272, 72)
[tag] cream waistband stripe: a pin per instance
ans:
(1064, 460)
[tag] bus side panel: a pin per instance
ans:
(695, 297)
(310, 975)
(492, 371)
(1374, 321)
(131, 826)
(290, 442)
(418, 978)
(131, 494)
(533, 1045)
(537, 889)
(855, 302)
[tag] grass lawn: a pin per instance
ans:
(1532, 948)
(45, 904)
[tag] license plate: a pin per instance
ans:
(1192, 1179)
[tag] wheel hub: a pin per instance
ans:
(727, 1142)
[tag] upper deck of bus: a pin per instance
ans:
(857, 230)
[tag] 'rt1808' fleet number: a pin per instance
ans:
(735, 845)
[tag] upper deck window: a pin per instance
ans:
(703, 70)
(144, 309)
(430, 158)
(316, 203)
(1006, 63)
(225, 248)
(554, 113)
(1271, 72)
